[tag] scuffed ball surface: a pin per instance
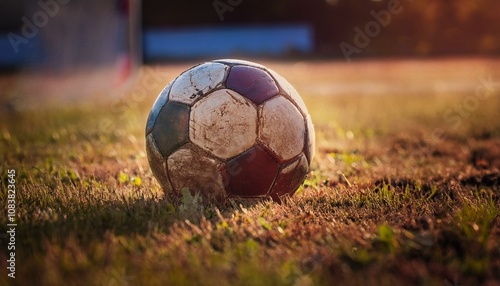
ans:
(230, 128)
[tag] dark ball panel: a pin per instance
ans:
(288, 182)
(172, 127)
(253, 83)
(155, 110)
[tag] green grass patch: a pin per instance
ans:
(385, 202)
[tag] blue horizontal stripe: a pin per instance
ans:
(222, 41)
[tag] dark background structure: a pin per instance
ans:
(422, 28)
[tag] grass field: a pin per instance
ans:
(404, 189)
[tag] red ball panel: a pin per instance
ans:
(251, 174)
(253, 83)
(172, 127)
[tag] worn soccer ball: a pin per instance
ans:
(230, 128)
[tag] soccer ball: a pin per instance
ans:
(230, 128)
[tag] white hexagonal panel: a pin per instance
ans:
(224, 123)
(189, 168)
(157, 163)
(311, 139)
(290, 90)
(197, 82)
(282, 128)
